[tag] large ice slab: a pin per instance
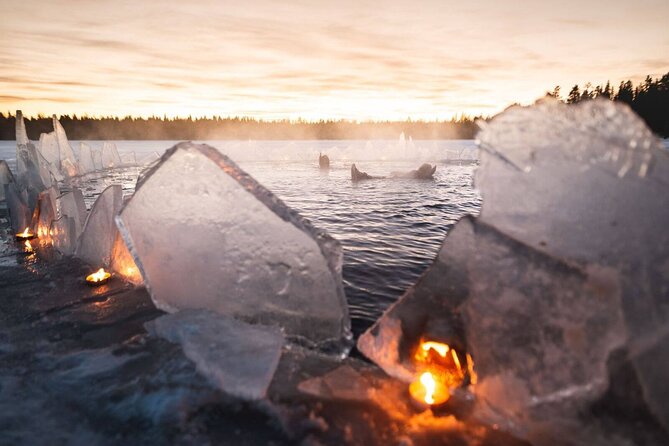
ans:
(97, 239)
(48, 147)
(207, 235)
(563, 272)
(237, 357)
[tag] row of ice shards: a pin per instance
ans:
(558, 285)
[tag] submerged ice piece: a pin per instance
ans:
(548, 292)
(97, 238)
(207, 235)
(237, 357)
(110, 157)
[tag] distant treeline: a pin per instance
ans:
(650, 99)
(111, 128)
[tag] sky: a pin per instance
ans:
(345, 59)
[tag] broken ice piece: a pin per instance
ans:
(237, 357)
(129, 159)
(19, 214)
(343, 383)
(97, 238)
(86, 164)
(72, 204)
(110, 157)
(68, 162)
(207, 235)
(44, 214)
(122, 262)
(63, 234)
(6, 177)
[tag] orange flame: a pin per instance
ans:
(28, 247)
(438, 372)
(98, 276)
(25, 234)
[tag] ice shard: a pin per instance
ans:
(63, 234)
(241, 251)
(237, 357)
(19, 213)
(48, 147)
(129, 159)
(72, 204)
(563, 271)
(68, 162)
(122, 262)
(21, 134)
(86, 164)
(149, 158)
(110, 157)
(97, 238)
(45, 213)
(6, 177)
(97, 159)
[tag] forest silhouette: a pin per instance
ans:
(650, 99)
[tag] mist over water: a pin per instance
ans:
(390, 229)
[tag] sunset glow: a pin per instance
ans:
(317, 59)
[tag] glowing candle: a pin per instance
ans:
(25, 235)
(100, 277)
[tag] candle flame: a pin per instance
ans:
(98, 276)
(25, 233)
(427, 380)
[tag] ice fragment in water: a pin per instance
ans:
(565, 268)
(237, 357)
(207, 235)
(110, 157)
(149, 158)
(63, 234)
(86, 164)
(129, 159)
(97, 239)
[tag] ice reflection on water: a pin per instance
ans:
(390, 229)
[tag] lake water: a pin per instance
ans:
(390, 229)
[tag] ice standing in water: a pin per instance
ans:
(206, 235)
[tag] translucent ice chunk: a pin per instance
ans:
(72, 205)
(238, 358)
(129, 159)
(44, 214)
(6, 177)
(97, 159)
(48, 147)
(207, 235)
(63, 234)
(110, 157)
(19, 214)
(97, 239)
(564, 268)
(122, 262)
(68, 161)
(21, 134)
(148, 158)
(86, 164)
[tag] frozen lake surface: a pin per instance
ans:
(390, 229)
